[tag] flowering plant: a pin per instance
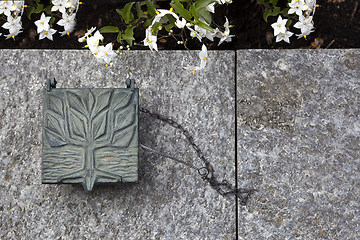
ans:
(184, 20)
(14, 9)
(302, 11)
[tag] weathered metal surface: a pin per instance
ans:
(90, 136)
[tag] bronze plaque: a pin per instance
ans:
(90, 136)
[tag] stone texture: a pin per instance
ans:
(299, 143)
(170, 201)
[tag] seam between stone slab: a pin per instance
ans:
(236, 153)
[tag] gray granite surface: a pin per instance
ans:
(299, 143)
(170, 201)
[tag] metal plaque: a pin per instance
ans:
(90, 136)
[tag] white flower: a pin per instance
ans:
(203, 59)
(47, 34)
(88, 33)
(150, 40)
(107, 53)
(221, 1)
(203, 55)
(204, 33)
(59, 5)
(161, 13)
(284, 36)
(279, 26)
(304, 34)
(211, 8)
(297, 6)
(43, 23)
(12, 24)
(304, 24)
(93, 42)
(5, 8)
(13, 33)
(194, 33)
(224, 36)
(68, 22)
(180, 23)
(311, 6)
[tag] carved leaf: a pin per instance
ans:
(102, 101)
(76, 103)
(78, 125)
(55, 104)
(124, 125)
(121, 100)
(100, 126)
(54, 131)
(89, 100)
(123, 138)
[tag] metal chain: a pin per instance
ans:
(224, 188)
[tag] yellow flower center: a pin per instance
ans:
(13, 24)
(305, 36)
(283, 35)
(105, 53)
(67, 20)
(278, 25)
(13, 36)
(86, 46)
(157, 12)
(194, 34)
(96, 53)
(106, 65)
(304, 23)
(171, 9)
(193, 72)
(42, 22)
(204, 58)
(149, 41)
(46, 32)
(95, 43)
(68, 33)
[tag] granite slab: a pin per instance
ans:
(298, 143)
(170, 201)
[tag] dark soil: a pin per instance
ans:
(337, 24)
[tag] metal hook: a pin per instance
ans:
(50, 83)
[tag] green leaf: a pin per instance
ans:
(268, 12)
(204, 14)
(179, 8)
(128, 35)
(204, 25)
(276, 11)
(147, 23)
(126, 13)
(193, 11)
(156, 26)
(39, 8)
(140, 13)
(288, 23)
(30, 11)
(151, 8)
(109, 29)
(119, 39)
(202, 3)
(273, 2)
(52, 20)
(48, 10)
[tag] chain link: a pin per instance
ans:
(206, 172)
